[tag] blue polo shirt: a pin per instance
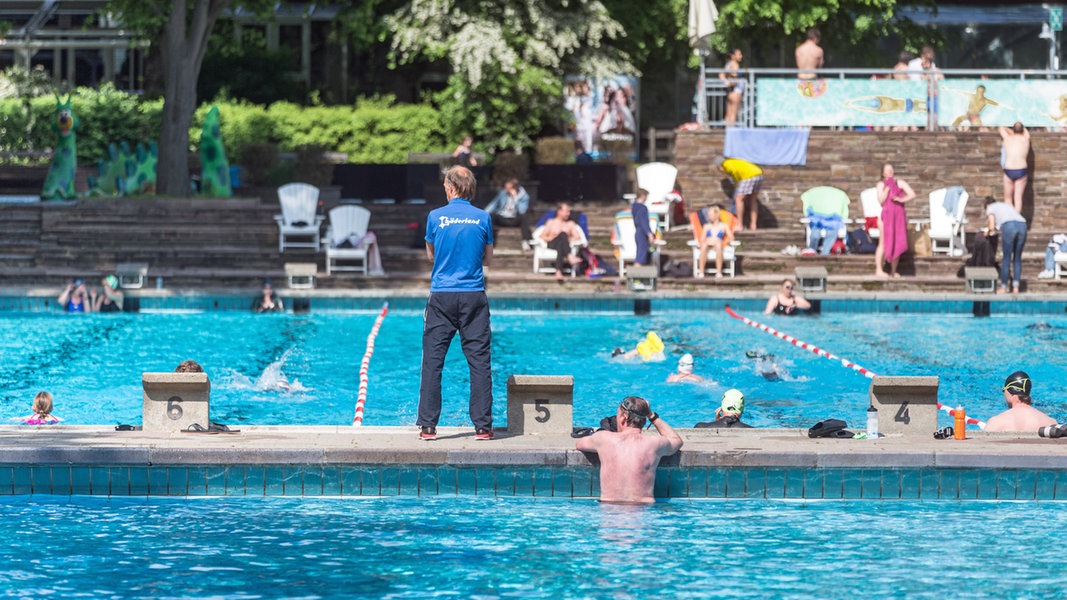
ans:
(459, 233)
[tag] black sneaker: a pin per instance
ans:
(428, 433)
(483, 433)
(1053, 431)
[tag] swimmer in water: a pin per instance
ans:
(42, 411)
(685, 371)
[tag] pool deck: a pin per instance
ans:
(456, 447)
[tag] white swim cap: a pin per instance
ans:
(685, 363)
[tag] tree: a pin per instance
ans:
(181, 29)
(508, 59)
(853, 28)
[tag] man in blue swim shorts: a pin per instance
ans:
(459, 241)
(1016, 150)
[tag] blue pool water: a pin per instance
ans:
(468, 547)
(93, 363)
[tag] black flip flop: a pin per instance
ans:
(197, 428)
(220, 428)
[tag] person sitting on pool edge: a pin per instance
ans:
(628, 458)
(1021, 415)
(784, 302)
(42, 411)
(729, 413)
(685, 371)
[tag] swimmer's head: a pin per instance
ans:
(733, 402)
(112, 281)
(78, 282)
(685, 364)
(635, 409)
(189, 366)
(42, 403)
(1019, 384)
(1017, 127)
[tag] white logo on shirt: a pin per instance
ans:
(446, 221)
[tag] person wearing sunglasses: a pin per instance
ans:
(785, 302)
(1021, 415)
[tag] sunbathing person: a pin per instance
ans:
(559, 232)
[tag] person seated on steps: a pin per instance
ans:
(716, 235)
(559, 232)
(510, 208)
(1058, 243)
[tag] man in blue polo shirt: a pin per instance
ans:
(459, 240)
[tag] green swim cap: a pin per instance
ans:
(112, 281)
(733, 401)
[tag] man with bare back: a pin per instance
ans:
(628, 458)
(1016, 149)
(809, 55)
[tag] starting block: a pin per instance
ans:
(981, 280)
(131, 275)
(301, 276)
(811, 279)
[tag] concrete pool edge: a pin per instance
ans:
(456, 446)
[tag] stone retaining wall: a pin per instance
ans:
(851, 160)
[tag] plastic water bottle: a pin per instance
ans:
(959, 430)
(872, 423)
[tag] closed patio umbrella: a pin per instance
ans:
(702, 17)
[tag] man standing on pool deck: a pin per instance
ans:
(1016, 149)
(459, 240)
(628, 458)
(1020, 416)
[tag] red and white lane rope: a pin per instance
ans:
(364, 366)
(823, 353)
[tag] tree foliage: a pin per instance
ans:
(851, 29)
(508, 59)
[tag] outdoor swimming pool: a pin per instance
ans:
(473, 547)
(93, 363)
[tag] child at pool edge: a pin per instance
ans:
(42, 411)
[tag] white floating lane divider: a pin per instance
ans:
(823, 353)
(364, 366)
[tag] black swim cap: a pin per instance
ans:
(1018, 383)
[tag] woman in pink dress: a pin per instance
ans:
(892, 223)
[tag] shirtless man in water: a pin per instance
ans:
(809, 55)
(1020, 416)
(628, 458)
(1016, 149)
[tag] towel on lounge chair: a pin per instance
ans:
(767, 146)
(952, 199)
(374, 256)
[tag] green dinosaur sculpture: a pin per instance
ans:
(59, 183)
(214, 168)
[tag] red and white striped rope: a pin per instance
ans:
(364, 366)
(823, 353)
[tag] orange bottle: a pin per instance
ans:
(959, 430)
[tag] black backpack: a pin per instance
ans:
(860, 242)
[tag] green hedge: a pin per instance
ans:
(374, 130)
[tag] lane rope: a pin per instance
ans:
(364, 366)
(823, 353)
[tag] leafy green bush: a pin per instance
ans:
(374, 130)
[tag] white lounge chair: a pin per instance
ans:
(299, 218)
(625, 242)
(827, 201)
(347, 224)
(544, 258)
(947, 229)
(871, 209)
(658, 180)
